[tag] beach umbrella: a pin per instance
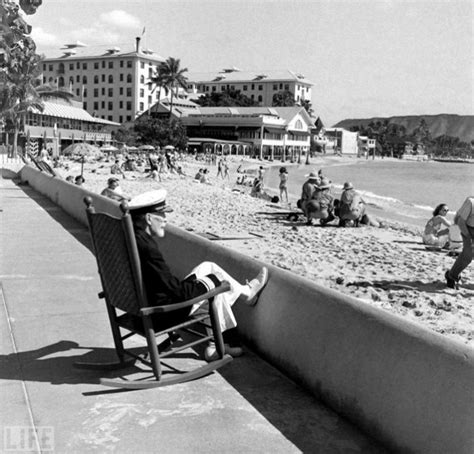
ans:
(169, 147)
(108, 148)
(82, 149)
(146, 147)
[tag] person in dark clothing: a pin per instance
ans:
(162, 287)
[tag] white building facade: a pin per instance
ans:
(258, 86)
(112, 84)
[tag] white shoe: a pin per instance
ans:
(210, 354)
(256, 286)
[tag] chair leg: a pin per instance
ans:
(216, 329)
(116, 333)
(152, 347)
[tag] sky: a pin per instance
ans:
(366, 58)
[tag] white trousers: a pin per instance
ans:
(223, 301)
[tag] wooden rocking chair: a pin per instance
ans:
(120, 273)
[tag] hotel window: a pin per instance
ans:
(129, 91)
(102, 104)
(96, 79)
(232, 87)
(281, 86)
(110, 118)
(96, 105)
(129, 105)
(129, 78)
(110, 92)
(120, 119)
(111, 79)
(129, 63)
(96, 65)
(252, 96)
(121, 91)
(121, 77)
(84, 92)
(78, 65)
(129, 118)
(96, 92)
(260, 99)
(142, 106)
(84, 66)
(78, 78)
(84, 79)
(222, 87)
(149, 100)
(287, 86)
(121, 104)
(102, 90)
(214, 88)
(142, 64)
(110, 105)
(44, 67)
(245, 87)
(150, 72)
(275, 86)
(142, 92)
(142, 79)
(77, 91)
(71, 66)
(121, 63)
(50, 67)
(111, 64)
(71, 80)
(85, 106)
(253, 86)
(102, 77)
(103, 63)
(44, 80)
(260, 87)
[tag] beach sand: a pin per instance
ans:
(384, 267)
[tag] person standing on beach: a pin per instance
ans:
(283, 183)
(162, 287)
(465, 221)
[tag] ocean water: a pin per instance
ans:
(406, 191)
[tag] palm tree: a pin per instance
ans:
(173, 76)
(157, 81)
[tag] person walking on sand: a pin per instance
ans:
(283, 183)
(464, 219)
(219, 169)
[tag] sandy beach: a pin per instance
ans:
(385, 267)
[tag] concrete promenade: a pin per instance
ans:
(51, 317)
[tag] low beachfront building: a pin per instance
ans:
(62, 122)
(261, 86)
(341, 142)
(267, 132)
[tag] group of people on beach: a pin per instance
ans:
(318, 202)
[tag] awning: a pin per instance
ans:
(274, 130)
(52, 109)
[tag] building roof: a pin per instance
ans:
(53, 109)
(234, 76)
(80, 51)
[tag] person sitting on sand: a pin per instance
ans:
(321, 205)
(114, 191)
(79, 180)
(198, 175)
(307, 191)
(352, 209)
(205, 177)
(437, 228)
(115, 169)
(162, 287)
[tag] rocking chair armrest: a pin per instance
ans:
(223, 287)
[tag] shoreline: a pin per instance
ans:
(385, 267)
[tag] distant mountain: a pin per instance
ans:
(461, 126)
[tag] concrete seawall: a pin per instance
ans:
(409, 387)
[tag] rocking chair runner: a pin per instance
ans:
(120, 273)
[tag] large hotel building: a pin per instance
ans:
(113, 83)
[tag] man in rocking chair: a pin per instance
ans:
(148, 212)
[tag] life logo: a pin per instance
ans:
(27, 438)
